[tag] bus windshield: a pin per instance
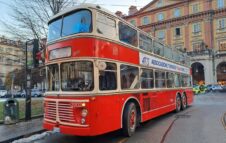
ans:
(53, 81)
(77, 22)
(77, 76)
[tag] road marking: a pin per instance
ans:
(123, 140)
(223, 120)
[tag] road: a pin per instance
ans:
(200, 123)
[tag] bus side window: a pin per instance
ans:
(147, 80)
(106, 26)
(108, 77)
(177, 80)
(170, 80)
(129, 77)
(127, 34)
(145, 43)
(160, 81)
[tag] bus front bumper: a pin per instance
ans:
(69, 130)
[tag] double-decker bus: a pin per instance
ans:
(104, 74)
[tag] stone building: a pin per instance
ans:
(12, 57)
(197, 27)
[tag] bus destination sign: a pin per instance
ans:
(151, 61)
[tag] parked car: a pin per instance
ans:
(196, 89)
(199, 89)
(34, 93)
(217, 87)
(3, 93)
(214, 87)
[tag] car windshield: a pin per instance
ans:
(77, 22)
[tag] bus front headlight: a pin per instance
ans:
(84, 113)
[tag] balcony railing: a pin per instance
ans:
(202, 52)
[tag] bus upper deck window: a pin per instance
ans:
(127, 34)
(81, 27)
(78, 22)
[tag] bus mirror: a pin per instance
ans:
(102, 65)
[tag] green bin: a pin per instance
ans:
(11, 111)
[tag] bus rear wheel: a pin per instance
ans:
(178, 103)
(183, 102)
(129, 119)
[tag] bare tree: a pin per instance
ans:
(30, 17)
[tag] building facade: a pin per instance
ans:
(197, 27)
(12, 57)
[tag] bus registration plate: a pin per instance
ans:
(56, 130)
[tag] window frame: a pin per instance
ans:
(116, 78)
(153, 78)
(145, 20)
(164, 80)
(120, 77)
(177, 12)
(197, 28)
(144, 41)
(221, 24)
(73, 61)
(176, 32)
(220, 4)
(136, 43)
(62, 22)
(160, 16)
(161, 35)
(107, 17)
(167, 79)
(195, 8)
(133, 22)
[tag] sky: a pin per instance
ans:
(112, 5)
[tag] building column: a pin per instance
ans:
(169, 36)
(208, 69)
(186, 8)
(209, 32)
(187, 43)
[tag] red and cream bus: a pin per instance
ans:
(104, 74)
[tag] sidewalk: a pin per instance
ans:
(9, 133)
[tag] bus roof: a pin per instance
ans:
(82, 6)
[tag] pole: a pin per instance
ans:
(27, 88)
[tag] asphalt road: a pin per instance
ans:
(200, 123)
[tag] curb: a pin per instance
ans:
(22, 136)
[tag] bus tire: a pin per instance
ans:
(183, 102)
(178, 103)
(129, 119)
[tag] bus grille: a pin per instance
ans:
(65, 111)
(50, 110)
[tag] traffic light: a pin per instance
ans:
(36, 53)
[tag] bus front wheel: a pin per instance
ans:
(129, 119)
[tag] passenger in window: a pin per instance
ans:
(124, 82)
(77, 83)
(125, 38)
(107, 80)
(81, 27)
